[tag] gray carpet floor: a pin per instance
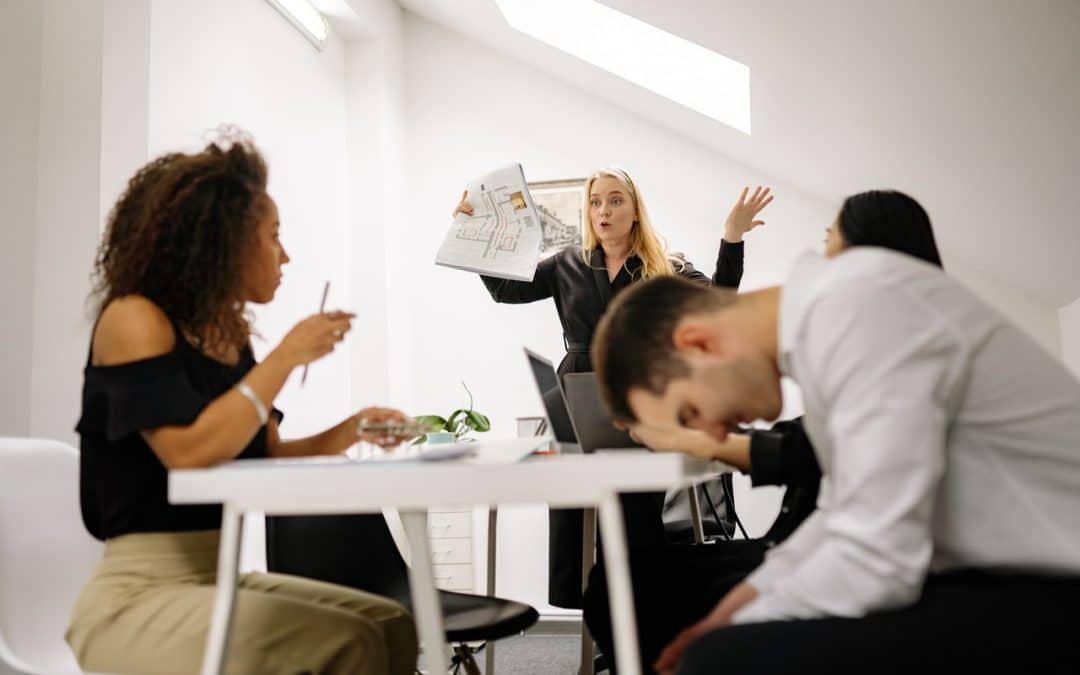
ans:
(536, 654)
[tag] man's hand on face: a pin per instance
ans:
(733, 450)
(674, 438)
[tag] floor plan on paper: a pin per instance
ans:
(502, 236)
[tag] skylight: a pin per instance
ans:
(666, 64)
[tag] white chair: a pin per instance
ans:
(46, 555)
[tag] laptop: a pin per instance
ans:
(558, 418)
(575, 411)
(590, 416)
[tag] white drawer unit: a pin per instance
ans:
(445, 525)
(453, 577)
(450, 539)
(451, 551)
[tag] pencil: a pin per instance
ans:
(322, 307)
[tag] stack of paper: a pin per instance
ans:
(502, 237)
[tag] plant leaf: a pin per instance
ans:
(454, 418)
(478, 421)
(433, 422)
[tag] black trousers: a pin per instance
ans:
(643, 517)
(970, 622)
(674, 586)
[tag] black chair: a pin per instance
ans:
(715, 510)
(358, 551)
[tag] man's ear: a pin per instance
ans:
(694, 335)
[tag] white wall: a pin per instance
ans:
(20, 107)
(63, 104)
(240, 62)
(125, 93)
(374, 83)
(68, 203)
(1038, 320)
(1070, 335)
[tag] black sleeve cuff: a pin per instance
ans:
(766, 458)
(729, 265)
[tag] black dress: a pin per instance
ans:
(581, 292)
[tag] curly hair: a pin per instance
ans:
(178, 236)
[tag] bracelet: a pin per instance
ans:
(260, 407)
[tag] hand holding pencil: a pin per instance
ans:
(315, 337)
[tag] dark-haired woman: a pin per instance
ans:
(171, 382)
(693, 579)
(886, 219)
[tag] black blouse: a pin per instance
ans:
(582, 291)
(122, 483)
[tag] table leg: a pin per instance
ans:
(620, 592)
(588, 559)
(426, 609)
(217, 641)
(493, 521)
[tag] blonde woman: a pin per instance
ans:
(620, 247)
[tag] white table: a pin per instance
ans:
(319, 486)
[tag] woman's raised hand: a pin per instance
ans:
(742, 217)
(463, 206)
(314, 337)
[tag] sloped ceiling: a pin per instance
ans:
(971, 106)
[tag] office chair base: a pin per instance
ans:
(463, 661)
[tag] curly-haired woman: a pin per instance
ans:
(171, 382)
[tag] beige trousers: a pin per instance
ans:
(146, 610)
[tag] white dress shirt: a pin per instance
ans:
(947, 438)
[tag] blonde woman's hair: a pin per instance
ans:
(644, 241)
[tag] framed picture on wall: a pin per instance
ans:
(561, 206)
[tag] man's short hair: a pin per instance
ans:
(633, 345)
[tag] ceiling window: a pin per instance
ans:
(700, 79)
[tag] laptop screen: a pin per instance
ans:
(547, 382)
(591, 418)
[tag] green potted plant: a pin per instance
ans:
(455, 427)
